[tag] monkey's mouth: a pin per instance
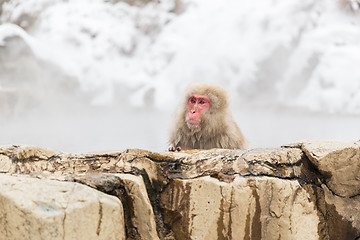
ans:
(193, 121)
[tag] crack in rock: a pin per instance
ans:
(299, 191)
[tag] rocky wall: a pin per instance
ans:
(307, 190)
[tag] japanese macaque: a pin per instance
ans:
(203, 121)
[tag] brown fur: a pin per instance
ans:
(217, 128)
(350, 5)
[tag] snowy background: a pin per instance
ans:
(92, 75)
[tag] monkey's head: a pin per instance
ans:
(204, 103)
(203, 121)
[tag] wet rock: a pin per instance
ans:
(306, 190)
(338, 163)
(247, 208)
(48, 209)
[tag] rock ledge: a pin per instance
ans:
(307, 190)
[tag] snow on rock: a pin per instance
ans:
(288, 53)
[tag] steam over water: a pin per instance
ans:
(81, 76)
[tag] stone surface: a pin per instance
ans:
(307, 190)
(142, 215)
(48, 209)
(247, 208)
(281, 162)
(338, 163)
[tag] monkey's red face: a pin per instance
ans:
(197, 104)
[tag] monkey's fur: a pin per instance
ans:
(217, 128)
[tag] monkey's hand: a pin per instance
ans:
(173, 149)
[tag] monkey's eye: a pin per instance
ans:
(193, 100)
(201, 101)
